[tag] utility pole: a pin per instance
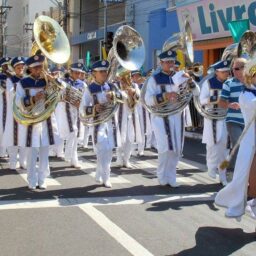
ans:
(3, 12)
(65, 16)
(105, 21)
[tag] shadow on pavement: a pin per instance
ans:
(164, 206)
(212, 241)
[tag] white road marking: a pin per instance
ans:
(49, 181)
(129, 243)
(98, 201)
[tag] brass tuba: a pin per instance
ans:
(128, 51)
(246, 49)
(53, 42)
(182, 41)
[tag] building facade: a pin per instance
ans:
(18, 33)
(88, 26)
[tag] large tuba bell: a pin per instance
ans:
(182, 41)
(128, 51)
(53, 42)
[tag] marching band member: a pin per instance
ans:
(129, 124)
(215, 132)
(68, 118)
(58, 72)
(36, 137)
(144, 118)
(95, 95)
(168, 130)
(3, 100)
(12, 134)
(234, 195)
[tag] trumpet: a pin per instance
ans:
(196, 69)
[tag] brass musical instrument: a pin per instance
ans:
(182, 41)
(128, 51)
(246, 49)
(53, 42)
(196, 69)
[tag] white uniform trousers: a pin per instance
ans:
(215, 154)
(87, 134)
(124, 152)
(2, 151)
(37, 176)
(13, 152)
(71, 149)
(146, 143)
(60, 149)
(166, 170)
(104, 157)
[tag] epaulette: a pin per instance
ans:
(94, 88)
(3, 76)
(215, 84)
(15, 79)
(162, 78)
(29, 83)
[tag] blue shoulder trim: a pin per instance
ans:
(250, 90)
(15, 79)
(3, 76)
(162, 78)
(215, 84)
(28, 83)
(94, 88)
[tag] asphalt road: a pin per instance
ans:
(76, 216)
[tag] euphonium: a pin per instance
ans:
(53, 42)
(128, 51)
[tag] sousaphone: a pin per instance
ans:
(182, 41)
(53, 43)
(128, 51)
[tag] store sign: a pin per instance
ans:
(111, 1)
(91, 35)
(210, 18)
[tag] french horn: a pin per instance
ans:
(53, 42)
(182, 41)
(128, 51)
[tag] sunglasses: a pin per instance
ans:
(238, 68)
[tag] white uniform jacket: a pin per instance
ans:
(41, 134)
(12, 134)
(3, 105)
(129, 123)
(169, 130)
(67, 114)
(96, 94)
(234, 194)
(144, 117)
(213, 130)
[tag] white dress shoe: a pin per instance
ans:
(174, 184)
(99, 180)
(43, 186)
(107, 184)
(223, 178)
(162, 183)
(251, 210)
(77, 166)
(31, 187)
(119, 163)
(128, 165)
(212, 174)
